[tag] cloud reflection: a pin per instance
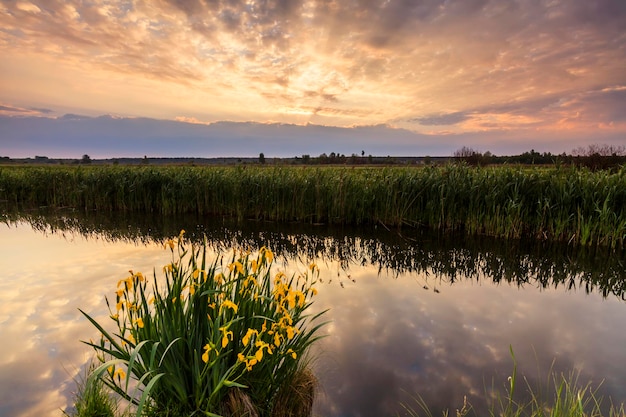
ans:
(391, 336)
(391, 341)
(45, 280)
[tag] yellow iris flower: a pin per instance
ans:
(229, 304)
(119, 373)
(236, 265)
(227, 335)
(246, 339)
(205, 355)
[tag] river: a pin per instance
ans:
(411, 315)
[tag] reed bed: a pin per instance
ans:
(561, 203)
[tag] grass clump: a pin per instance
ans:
(565, 397)
(219, 338)
(562, 396)
(92, 398)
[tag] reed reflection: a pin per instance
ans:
(445, 258)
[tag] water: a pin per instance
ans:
(410, 315)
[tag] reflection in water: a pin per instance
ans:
(419, 315)
(447, 259)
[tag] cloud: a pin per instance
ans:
(467, 66)
(441, 119)
(190, 119)
(9, 110)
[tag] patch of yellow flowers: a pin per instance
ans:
(255, 343)
(267, 339)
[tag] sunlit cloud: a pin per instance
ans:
(8, 110)
(458, 66)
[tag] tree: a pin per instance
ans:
(85, 159)
(469, 155)
(261, 158)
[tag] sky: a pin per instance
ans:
(504, 76)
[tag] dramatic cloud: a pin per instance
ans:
(433, 67)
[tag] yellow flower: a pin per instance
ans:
(229, 304)
(236, 265)
(249, 280)
(291, 332)
(119, 373)
(269, 256)
(169, 243)
(191, 287)
(115, 316)
(119, 305)
(279, 276)
(286, 318)
(261, 344)
(291, 299)
(313, 290)
(301, 298)
(219, 278)
(205, 355)
(196, 273)
(225, 336)
(246, 339)
(277, 339)
(255, 265)
(139, 322)
(293, 354)
(251, 363)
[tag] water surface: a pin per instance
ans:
(410, 315)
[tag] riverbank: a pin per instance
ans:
(573, 205)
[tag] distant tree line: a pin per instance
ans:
(593, 157)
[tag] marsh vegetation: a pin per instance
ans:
(577, 206)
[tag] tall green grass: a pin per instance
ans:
(564, 204)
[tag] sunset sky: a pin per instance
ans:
(497, 75)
